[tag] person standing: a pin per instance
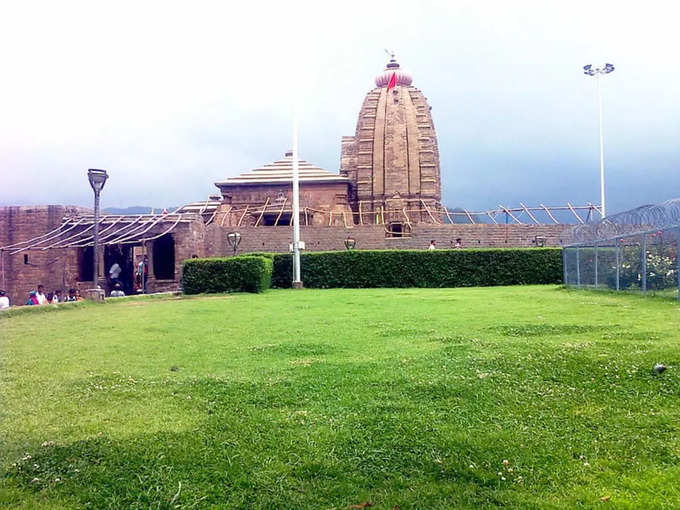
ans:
(143, 273)
(114, 273)
(40, 295)
(433, 245)
(4, 300)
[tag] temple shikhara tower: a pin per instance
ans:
(392, 161)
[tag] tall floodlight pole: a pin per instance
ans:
(297, 282)
(598, 72)
(97, 180)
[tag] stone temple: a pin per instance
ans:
(392, 161)
(386, 195)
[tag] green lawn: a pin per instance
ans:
(517, 397)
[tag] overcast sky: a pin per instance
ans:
(172, 96)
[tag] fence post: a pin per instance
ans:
(564, 265)
(677, 260)
(578, 267)
(618, 264)
(643, 254)
(596, 278)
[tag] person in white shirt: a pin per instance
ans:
(4, 300)
(432, 245)
(57, 297)
(115, 271)
(40, 295)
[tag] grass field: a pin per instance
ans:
(517, 397)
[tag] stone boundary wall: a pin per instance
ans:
(58, 268)
(372, 237)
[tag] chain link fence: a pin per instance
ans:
(632, 251)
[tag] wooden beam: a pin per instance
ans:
(224, 217)
(549, 213)
(242, 216)
(278, 217)
(507, 211)
(428, 211)
(259, 218)
(526, 210)
(571, 208)
(448, 215)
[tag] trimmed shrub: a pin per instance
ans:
(234, 274)
(422, 268)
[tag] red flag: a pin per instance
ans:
(393, 82)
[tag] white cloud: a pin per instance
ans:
(170, 96)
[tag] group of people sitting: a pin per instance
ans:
(39, 297)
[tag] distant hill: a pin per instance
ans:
(136, 209)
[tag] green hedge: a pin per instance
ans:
(422, 268)
(234, 274)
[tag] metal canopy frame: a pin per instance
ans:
(124, 229)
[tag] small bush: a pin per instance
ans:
(421, 268)
(233, 274)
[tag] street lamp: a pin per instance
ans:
(97, 180)
(234, 239)
(350, 243)
(597, 72)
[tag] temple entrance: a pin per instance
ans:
(164, 258)
(122, 254)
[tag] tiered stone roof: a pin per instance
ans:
(281, 171)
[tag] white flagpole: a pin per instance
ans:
(297, 283)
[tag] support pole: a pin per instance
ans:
(618, 266)
(596, 261)
(578, 267)
(297, 282)
(564, 266)
(599, 100)
(677, 260)
(643, 255)
(95, 269)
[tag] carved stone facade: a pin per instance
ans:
(392, 160)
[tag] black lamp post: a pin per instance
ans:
(350, 243)
(234, 239)
(97, 180)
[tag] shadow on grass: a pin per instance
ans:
(336, 434)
